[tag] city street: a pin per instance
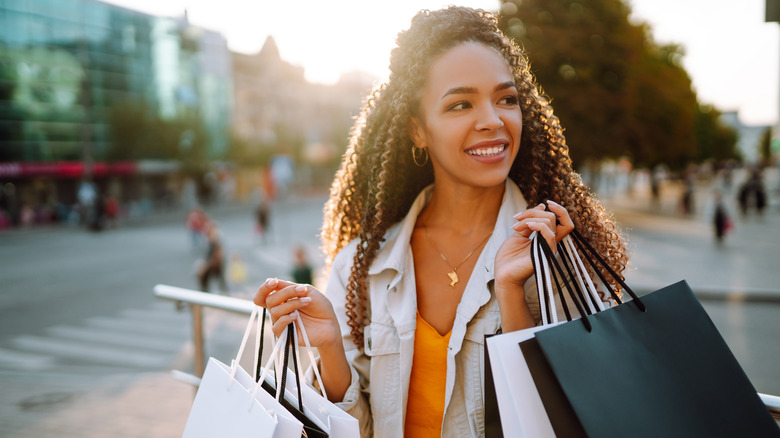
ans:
(86, 348)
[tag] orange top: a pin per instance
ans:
(425, 403)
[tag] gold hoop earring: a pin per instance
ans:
(418, 153)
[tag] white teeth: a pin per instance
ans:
(487, 152)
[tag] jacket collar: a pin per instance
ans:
(395, 249)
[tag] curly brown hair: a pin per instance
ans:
(378, 182)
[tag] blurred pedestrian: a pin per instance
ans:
(752, 194)
(195, 222)
(686, 200)
(112, 211)
(214, 262)
(721, 219)
(262, 212)
(302, 271)
(98, 218)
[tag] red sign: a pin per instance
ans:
(65, 169)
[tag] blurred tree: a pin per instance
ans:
(137, 133)
(765, 146)
(616, 92)
(713, 138)
(663, 110)
(249, 153)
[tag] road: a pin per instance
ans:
(80, 330)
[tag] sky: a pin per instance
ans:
(731, 54)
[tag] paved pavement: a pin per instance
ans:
(665, 248)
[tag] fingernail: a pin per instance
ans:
(532, 223)
(300, 288)
(273, 282)
(550, 201)
(294, 314)
(517, 226)
(305, 299)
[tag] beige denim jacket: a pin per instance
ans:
(381, 367)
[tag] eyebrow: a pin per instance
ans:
(472, 90)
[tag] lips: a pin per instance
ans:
(487, 152)
(489, 148)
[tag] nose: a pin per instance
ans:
(488, 118)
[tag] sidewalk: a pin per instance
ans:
(667, 246)
(120, 406)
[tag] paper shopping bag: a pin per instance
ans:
(316, 406)
(519, 405)
(667, 369)
(228, 403)
(659, 359)
(224, 407)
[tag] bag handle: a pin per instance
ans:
(290, 344)
(235, 364)
(582, 243)
(544, 251)
(307, 343)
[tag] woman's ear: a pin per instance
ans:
(416, 132)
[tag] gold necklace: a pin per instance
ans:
(454, 274)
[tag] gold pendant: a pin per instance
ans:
(454, 277)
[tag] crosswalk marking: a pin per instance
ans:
(116, 338)
(133, 326)
(154, 337)
(87, 352)
(27, 361)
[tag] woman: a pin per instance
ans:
(427, 229)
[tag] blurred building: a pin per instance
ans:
(748, 136)
(68, 66)
(278, 112)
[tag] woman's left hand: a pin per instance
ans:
(513, 265)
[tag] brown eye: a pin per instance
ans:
(460, 106)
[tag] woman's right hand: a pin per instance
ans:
(286, 300)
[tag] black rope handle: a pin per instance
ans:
(288, 345)
(296, 367)
(551, 258)
(581, 242)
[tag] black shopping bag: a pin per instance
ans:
(492, 416)
(653, 367)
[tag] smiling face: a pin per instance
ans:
(469, 117)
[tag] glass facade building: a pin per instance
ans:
(65, 65)
(78, 78)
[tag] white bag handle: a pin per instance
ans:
(544, 283)
(581, 271)
(234, 365)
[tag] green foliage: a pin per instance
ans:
(251, 154)
(616, 92)
(765, 146)
(139, 133)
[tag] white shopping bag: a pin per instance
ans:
(327, 416)
(227, 404)
(519, 405)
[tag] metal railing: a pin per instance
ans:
(198, 300)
